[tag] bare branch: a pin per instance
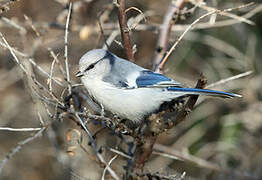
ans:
(163, 61)
(31, 60)
(66, 48)
(233, 16)
(19, 129)
(19, 146)
(120, 153)
(165, 28)
(51, 75)
(107, 166)
(173, 154)
(223, 81)
(99, 156)
(191, 26)
(124, 30)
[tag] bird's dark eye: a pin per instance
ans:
(90, 67)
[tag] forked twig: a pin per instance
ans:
(108, 165)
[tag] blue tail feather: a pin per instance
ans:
(194, 91)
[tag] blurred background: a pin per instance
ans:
(226, 132)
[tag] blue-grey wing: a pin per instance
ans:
(148, 78)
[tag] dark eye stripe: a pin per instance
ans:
(90, 67)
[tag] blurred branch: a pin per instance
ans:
(19, 146)
(108, 27)
(132, 22)
(31, 60)
(173, 154)
(102, 17)
(233, 16)
(162, 62)
(165, 29)
(4, 5)
(124, 30)
(13, 54)
(13, 24)
(30, 75)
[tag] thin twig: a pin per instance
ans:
(51, 75)
(120, 153)
(13, 54)
(19, 129)
(223, 81)
(57, 61)
(124, 30)
(66, 48)
(43, 71)
(32, 25)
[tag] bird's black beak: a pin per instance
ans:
(79, 74)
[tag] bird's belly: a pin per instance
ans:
(132, 104)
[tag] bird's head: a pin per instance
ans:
(96, 63)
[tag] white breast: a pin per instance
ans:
(132, 104)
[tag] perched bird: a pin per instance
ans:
(128, 90)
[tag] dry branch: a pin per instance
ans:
(19, 146)
(66, 48)
(92, 142)
(158, 124)
(124, 30)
